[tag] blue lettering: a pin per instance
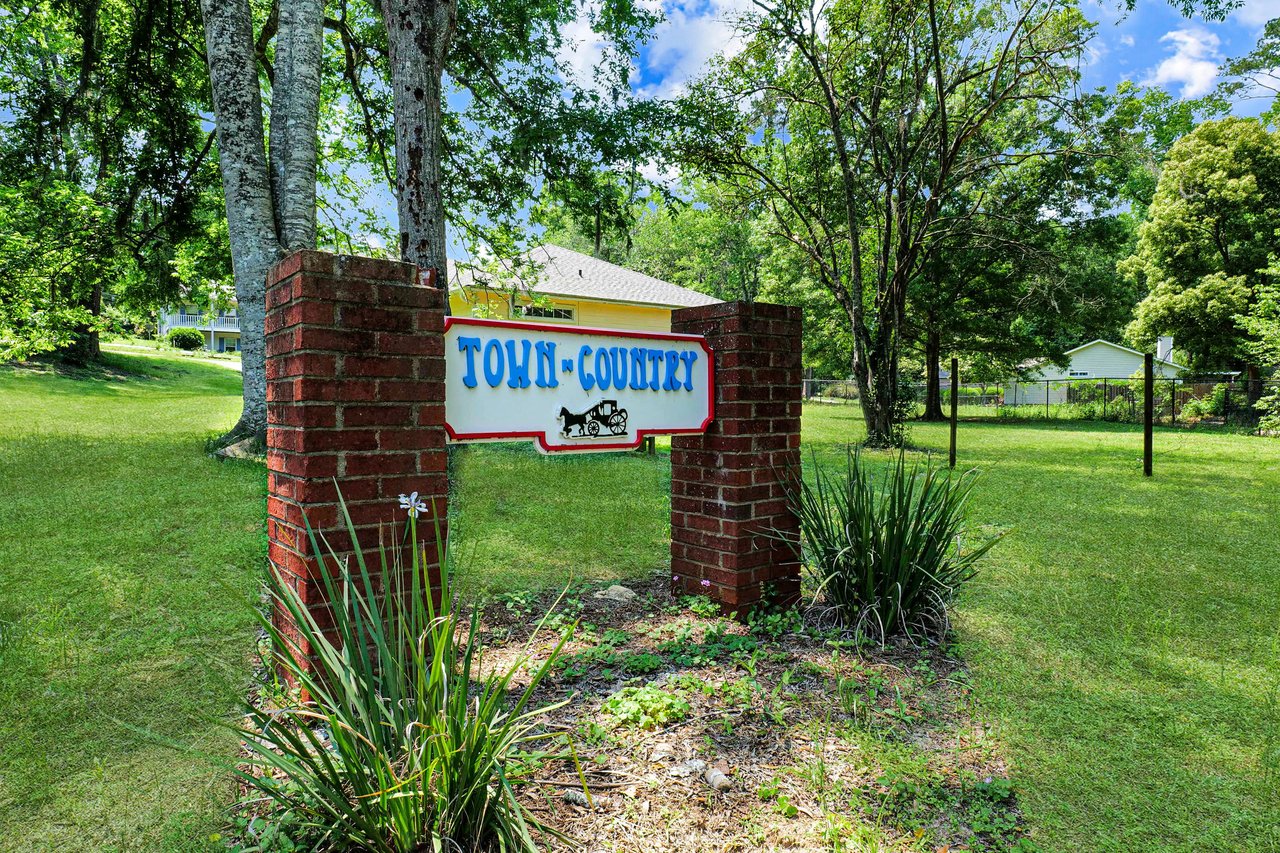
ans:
(618, 363)
(655, 361)
(688, 358)
(670, 383)
(493, 369)
(638, 382)
(546, 359)
(603, 376)
(470, 346)
(519, 366)
(584, 376)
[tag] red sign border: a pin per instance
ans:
(540, 436)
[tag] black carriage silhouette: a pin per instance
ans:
(604, 414)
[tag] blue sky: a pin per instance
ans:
(1152, 45)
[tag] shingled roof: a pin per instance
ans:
(564, 272)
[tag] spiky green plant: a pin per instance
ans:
(888, 558)
(406, 745)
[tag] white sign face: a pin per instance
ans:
(573, 389)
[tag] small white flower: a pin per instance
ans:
(411, 504)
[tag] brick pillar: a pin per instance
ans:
(355, 391)
(727, 494)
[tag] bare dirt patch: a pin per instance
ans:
(699, 733)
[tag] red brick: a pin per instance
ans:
(302, 415)
(376, 415)
(338, 340)
(408, 390)
(393, 343)
(378, 319)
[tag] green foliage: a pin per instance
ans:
(104, 158)
(1256, 75)
(283, 833)
(916, 793)
(775, 623)
(717, 644)
(185, 338)
(862, 193)
(1203, 252)
(888, 559)
(407, 743)
(643, 663)
(701, 605)
(650, 706)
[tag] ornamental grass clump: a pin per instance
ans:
(406, 745)
(888, 559)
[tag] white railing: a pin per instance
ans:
(221, 322)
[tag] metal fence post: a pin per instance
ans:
(955, 395)
(1046, 399)
(1148, 399)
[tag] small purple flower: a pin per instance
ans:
(411, 503)
(706, 584)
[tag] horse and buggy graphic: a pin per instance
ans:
(604, 415)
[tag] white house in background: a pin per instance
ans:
(1096, 360)
(221, 330)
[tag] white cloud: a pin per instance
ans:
(690, 34)
(1255, 13)
(1194, 63)
(582, 50)
(1127, 41)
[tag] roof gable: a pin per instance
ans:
(1122, 348)
(564, 272)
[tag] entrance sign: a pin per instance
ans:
(573, 389)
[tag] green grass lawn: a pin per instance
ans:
(128, 564)
(1123, 637)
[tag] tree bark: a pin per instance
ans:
(295, 110)
(86, 344)
(933, 376)
(255, 246)
(419, 33)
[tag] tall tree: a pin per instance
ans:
(856, 122)
(475, 164)
(101, 162)
(1204, 250)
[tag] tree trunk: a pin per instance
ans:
(933, 377)
(86, 345)
(255, 246)
(295, 110)
(1253, 386)
(419, 33)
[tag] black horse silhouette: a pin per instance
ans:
(572, 420)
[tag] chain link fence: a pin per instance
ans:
(1196, 400)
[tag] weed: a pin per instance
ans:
(775, 624)
(701, 605)
(648, 707)
(642, 664)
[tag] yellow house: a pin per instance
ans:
(576, 290)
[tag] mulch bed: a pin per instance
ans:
(695, 732)
(823, 744)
